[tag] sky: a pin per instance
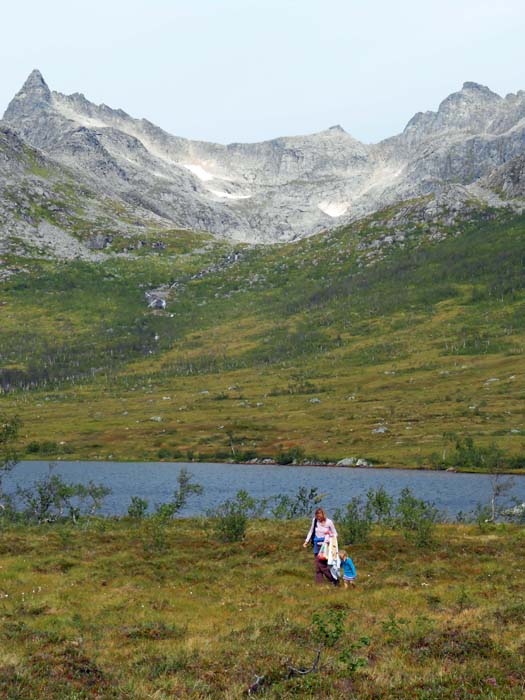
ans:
(250, 70)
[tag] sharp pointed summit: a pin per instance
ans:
(35, 80)
(34, 95)
(283, 189)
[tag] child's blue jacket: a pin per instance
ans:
(348, 568)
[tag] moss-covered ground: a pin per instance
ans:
(111, 611)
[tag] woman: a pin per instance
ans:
(321, 530)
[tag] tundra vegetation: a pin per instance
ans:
(224, 606)
(311, 351)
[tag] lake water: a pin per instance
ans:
(156, 481)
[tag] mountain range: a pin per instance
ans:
(111, 171)
(138, 320)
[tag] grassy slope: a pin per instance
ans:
(98, 613)
(428, 340)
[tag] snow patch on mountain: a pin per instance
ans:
(199, 171)
(333, 209)
(288, 185)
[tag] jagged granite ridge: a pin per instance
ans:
(277, 190)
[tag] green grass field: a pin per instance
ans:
(100, 612)
(306, 345)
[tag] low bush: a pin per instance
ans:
(138, 508)
(416, 518)
(293, 455)
(354, 522)
(298, 506)
(230, 519)
(51, 499)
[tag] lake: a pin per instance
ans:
(155, 482)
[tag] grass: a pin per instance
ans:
(98, 612)
(301, 345)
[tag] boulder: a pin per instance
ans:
(347, 462)
(363, 463)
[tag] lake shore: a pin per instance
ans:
(265, 462)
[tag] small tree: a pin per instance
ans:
(138, 508)
(9, 428)
(51, 498)
(354, 522)
(380, 505)
(499, 483)
(301, 505)
(185, 488)
(416, 518)
(231, 517)
(231, 439)
(90, 498)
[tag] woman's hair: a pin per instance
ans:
(320, 514)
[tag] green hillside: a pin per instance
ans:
(344, 344)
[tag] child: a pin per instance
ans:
(349, 573)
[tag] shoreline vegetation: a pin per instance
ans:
(458, 455)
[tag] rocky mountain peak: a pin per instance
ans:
(470, 109)
(34, 95)
(472, 94)
(35, 80)
(282, 189)
(469, 85)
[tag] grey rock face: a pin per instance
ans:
(42, 204)
(277, 190)
(509, 179)
(31, 99)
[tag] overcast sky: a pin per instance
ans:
(249, 70)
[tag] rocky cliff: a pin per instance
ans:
(278, 190)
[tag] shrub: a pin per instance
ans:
(165, 453)
(416, 518)
(466, 454)
(51, 499)
(293, 455)
(354, 522)
(138, 508)
(49, 448)
(517, 462)
(8, 511)
(9, 428)
(185, 488)
(301, 505)
(380, 505)
(328, 627)
(244, 456)
(231, 517)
